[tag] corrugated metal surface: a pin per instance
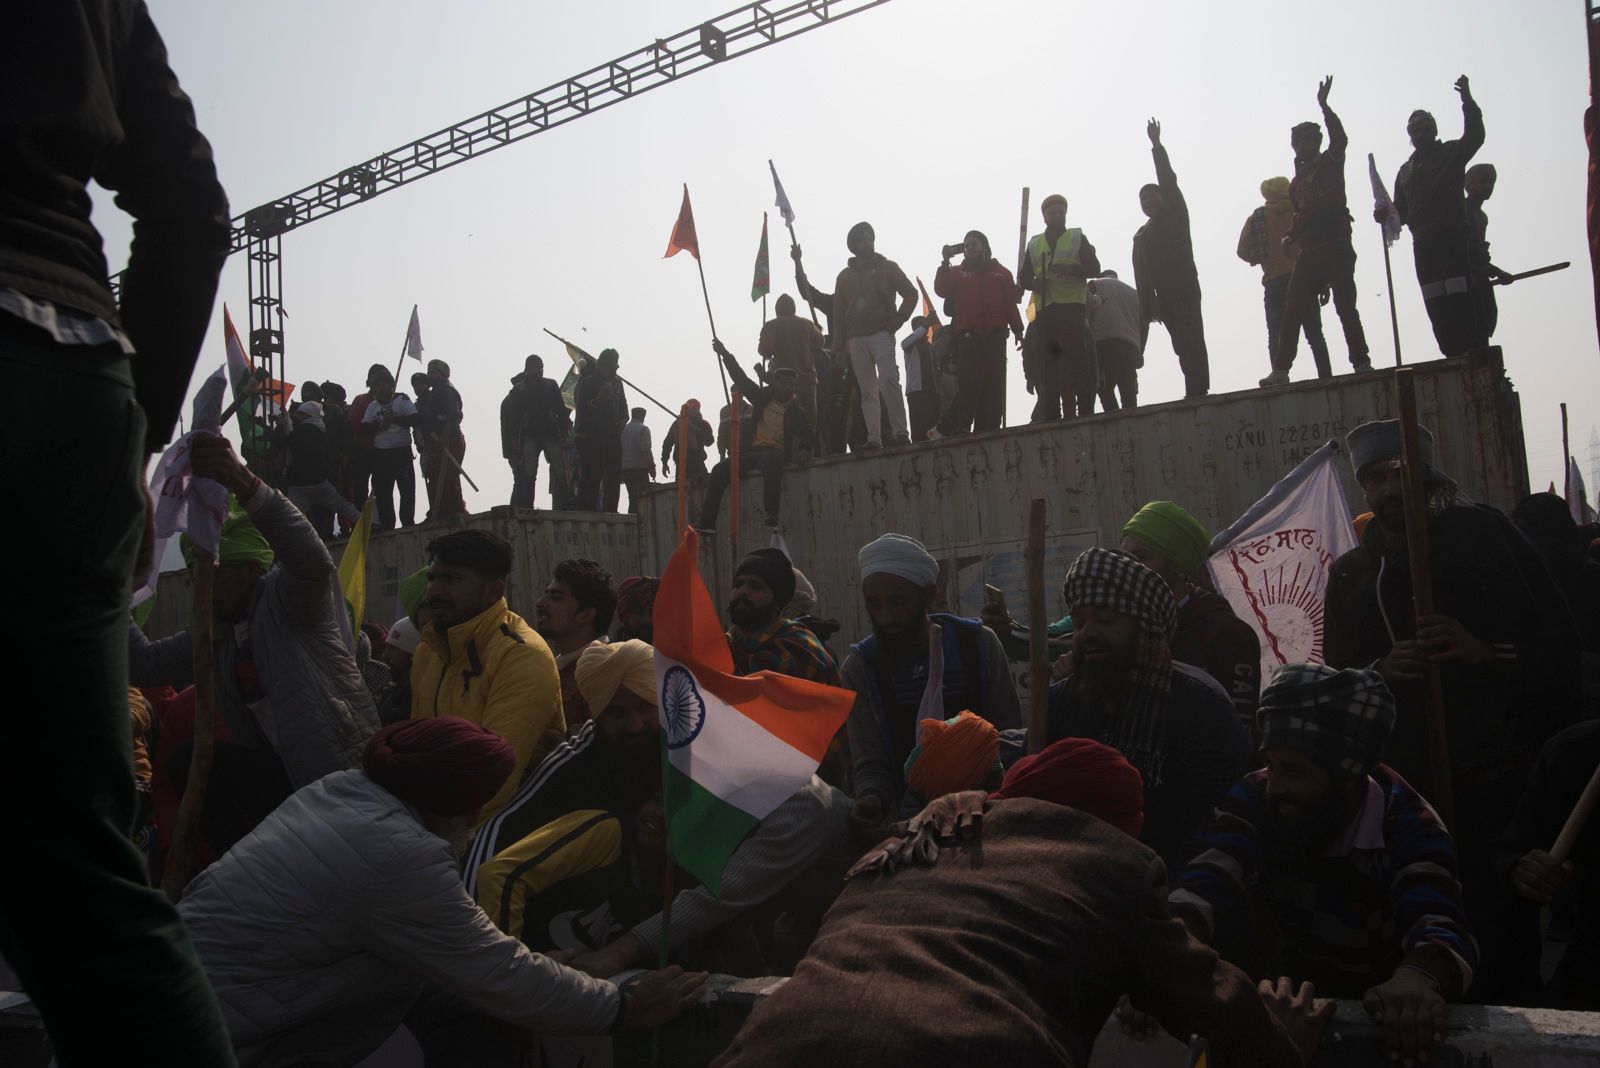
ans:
(539, 540)
(967, 499)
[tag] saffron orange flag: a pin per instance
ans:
(683, 237)
(927, 311)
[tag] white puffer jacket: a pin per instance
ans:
(320, 928)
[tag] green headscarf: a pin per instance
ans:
(1173, 533)
(239, 542)
(413, 588)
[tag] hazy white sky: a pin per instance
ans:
(925, 117)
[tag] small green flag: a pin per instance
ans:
(761, 285)
(569, 384)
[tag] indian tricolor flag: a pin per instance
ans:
(736, 747)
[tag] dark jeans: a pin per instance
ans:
(636, 481)
(980, 400)
(1186, 327)
(391, 468)
(1276, 297)
(767, 460)
(599, 471)
(1065, 377)
(1444, 270)
(99, 950)
(1119, 373)
(1333, 266)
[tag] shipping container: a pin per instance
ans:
(967, 498)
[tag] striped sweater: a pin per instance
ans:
(1387, 896)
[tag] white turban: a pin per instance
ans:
(898, 555)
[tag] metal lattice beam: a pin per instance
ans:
(737, 33)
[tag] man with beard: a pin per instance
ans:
(1507, 653)
(322, 927)
(481, 661)
(1350, 867)
(763, 638)
(574, 613)
(1173, 544)
(1172, 721)
(915, 665)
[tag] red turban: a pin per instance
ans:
(1081, 774)
(444, 766)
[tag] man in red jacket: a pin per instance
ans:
(985, 298)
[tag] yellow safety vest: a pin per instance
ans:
(1041, 256)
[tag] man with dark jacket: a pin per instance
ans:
(985, 306)
(1321, 233)
(86, 94)
(700, 438)
(790, 341)
(534, 422)
(310, 472)
(865, 320)
(1164, 270)
(775, 433)
(1172, 543)
(1427, 194)
(1506, 651)
(439, 418)
(601, 413)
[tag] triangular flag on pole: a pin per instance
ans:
(736, 746)
(683, 237)
(927, 311)
(784, 208)
(1381, 202)
(761, 283)
(414, 336)
(353, 567)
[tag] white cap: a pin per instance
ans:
(404, 635)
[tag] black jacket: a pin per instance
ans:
(1489, 578)
(796, 428)
(531, 410)
(86, 93)
(1163, 252)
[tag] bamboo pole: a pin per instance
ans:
(683, 479)
(1416, 511)
(1581, 812)
(1038, 653)
(186, 827)
(733, 477)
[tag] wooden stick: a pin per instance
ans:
(186, 827)
(1038, 654)
(733, 476)
(1581, 812)
(1566, 459)
(1442, 794)
(706, 293)
(794, 243)
(624, 381)
(1022, 234)
(683, 479)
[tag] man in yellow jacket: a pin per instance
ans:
(481, 661)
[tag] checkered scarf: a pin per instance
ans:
(1341, 718)
(1112, 579)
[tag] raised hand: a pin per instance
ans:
(1153, 129)
(1464, 88)
(1323, 89)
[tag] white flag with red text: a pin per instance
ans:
(1272, 564)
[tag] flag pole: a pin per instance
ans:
(186, 826)
(706, 293)
(794, 243)
(1038, 653)
(683, 481)
(1388, 275)
(1022, 234)
(733, 480)
(1566, 461)
(624, 381)
(401, 362)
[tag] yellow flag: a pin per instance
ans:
(353, 567)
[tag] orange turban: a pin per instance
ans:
(952, 755)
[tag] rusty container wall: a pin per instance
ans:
(539, 540)
(967, 498)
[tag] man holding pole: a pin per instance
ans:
(1321, 233)
(600, 414)
(1427, 194)
(795, 343)
(865, 320)
(1058, 264)
(774, 432)
(1506, 650)
(439, 415)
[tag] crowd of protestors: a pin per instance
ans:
(456, 822)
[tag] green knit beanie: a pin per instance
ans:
(1173, 533)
